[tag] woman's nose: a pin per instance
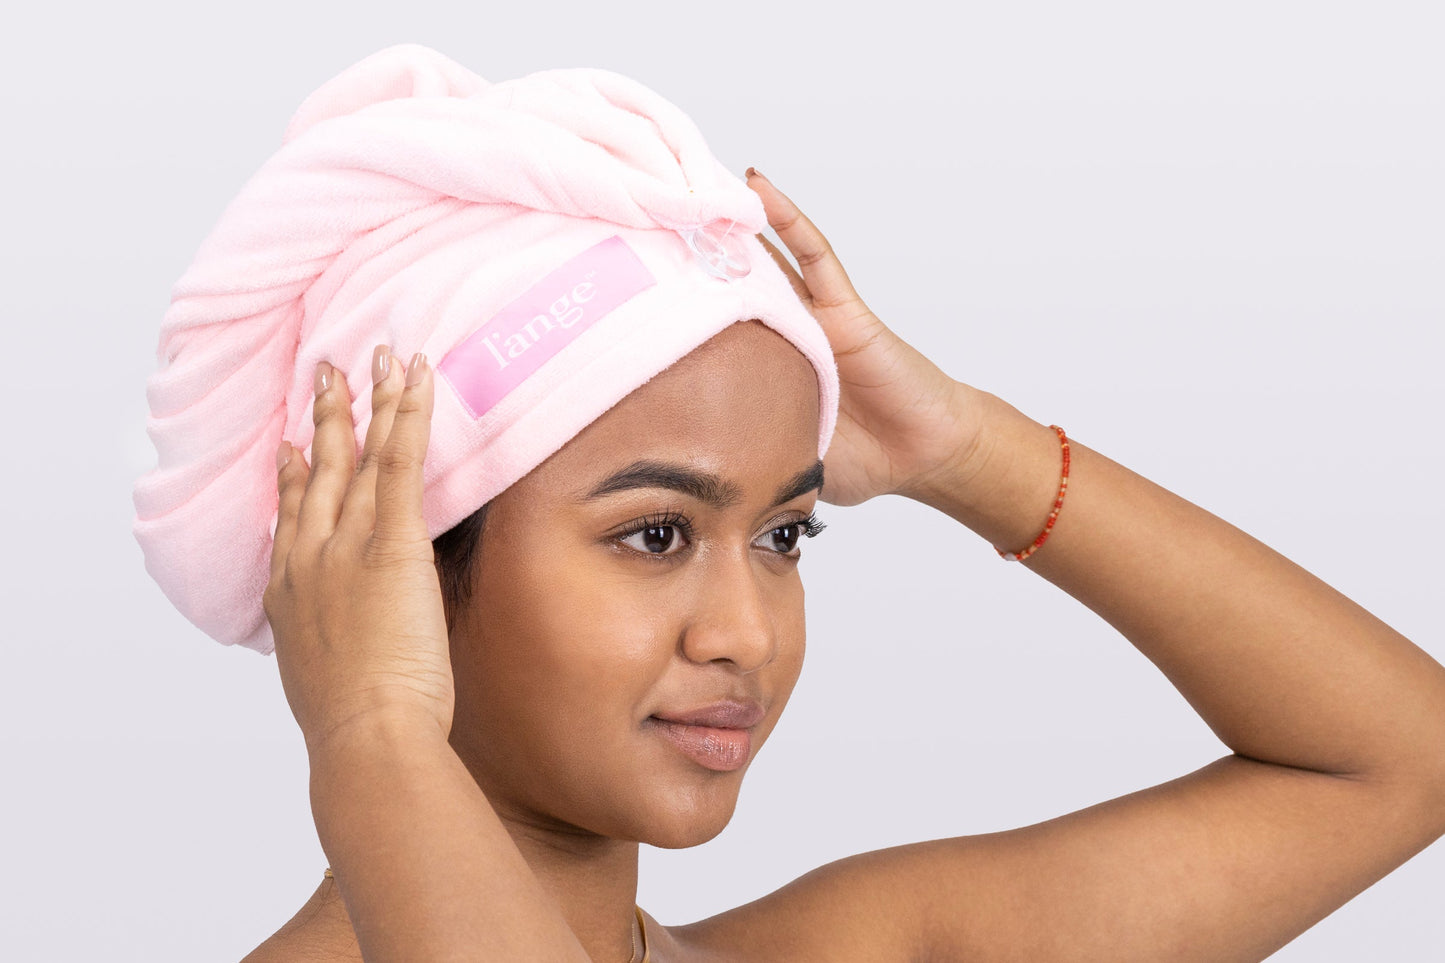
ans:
(733, 620)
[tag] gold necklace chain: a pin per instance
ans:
(641, 926)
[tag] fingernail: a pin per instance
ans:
(283, 454)
(323, 376)
(416, 369)
(754, 172)
(380, 364)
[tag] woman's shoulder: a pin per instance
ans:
(320, 932)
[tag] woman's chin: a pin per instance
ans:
(682, 833)
(688, 819)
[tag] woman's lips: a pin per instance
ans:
(717, 737)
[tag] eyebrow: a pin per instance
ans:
(701, 485)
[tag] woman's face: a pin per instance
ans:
(645, 572)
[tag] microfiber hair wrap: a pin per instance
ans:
(551, 242)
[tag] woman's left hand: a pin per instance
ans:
(901, 420)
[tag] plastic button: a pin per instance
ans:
(720, 255)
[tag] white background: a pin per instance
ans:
(1205, 238)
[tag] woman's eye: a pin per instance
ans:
(784, 538)
(656, 540)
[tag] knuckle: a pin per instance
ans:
(379, 551)
(809, 258)
(331, 555)
(863, 343)
(785, 222)
(277, 591)
(382, 550)
(290, 488)
(384, 392)
(842, 301)
(395, 459)
(294, 571)
(409, 403)
(334, 405)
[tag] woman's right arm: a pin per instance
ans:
(425, 867)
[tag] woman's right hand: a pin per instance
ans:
(901, 420)
(354, 599)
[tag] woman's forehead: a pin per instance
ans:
(747, 385)
(742, 408)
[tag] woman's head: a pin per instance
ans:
(646, 569)
(550, 242)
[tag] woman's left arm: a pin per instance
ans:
(1336, 722)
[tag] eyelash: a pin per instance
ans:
(811, 526)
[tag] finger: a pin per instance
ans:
(399, 481)
(790, 272)
(333, 455)
(388, 377)
(822, 271)
(290, 485)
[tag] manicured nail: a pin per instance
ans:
(323, 376)
(416, 369)
(380, 364)
(283, 454)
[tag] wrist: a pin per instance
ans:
(374, 730)
(966, 458)
(1004, 482)
(361, 764)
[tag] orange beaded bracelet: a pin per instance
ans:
(1053, 515)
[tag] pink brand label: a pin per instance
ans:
(499, 355)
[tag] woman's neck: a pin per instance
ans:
(592, 878)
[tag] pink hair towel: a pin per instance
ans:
(550, 242)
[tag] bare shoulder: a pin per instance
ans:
(320, 932)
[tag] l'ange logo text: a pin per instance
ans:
(502, 353)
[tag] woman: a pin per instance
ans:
(491, 738)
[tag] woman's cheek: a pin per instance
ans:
(601, 620)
